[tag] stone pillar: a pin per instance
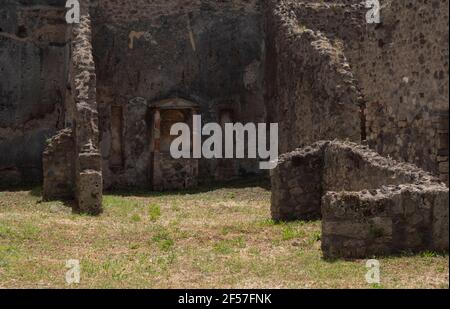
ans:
(156, 156)
(88, 161)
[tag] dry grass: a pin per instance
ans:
(218, 238)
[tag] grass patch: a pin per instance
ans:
(163, 239)
(229, 246)
(291, 231)
(136, 218)
(212, 237)
(154, 212)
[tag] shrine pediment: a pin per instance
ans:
(175, 103)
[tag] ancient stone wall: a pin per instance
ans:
(402, 68)
(351, 168)
(311, 91)
(368, 204)
(59, 166)
(80, 179)
(297, 184)
(399, 67)
(178, 173)
(390, 220)
(33, 53)
(208, 52)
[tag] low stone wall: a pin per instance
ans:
(369, 205)
(393, 219)
(297, 184)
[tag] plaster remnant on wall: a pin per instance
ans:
(135, 35)
(191, 36)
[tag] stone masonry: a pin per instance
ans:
(58, 166)
(78, 174)
(89, 106)
(369, 205)
(385, 83)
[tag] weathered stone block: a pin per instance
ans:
(89, 192)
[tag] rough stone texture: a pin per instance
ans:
(402, 67)
(33, 50)
(311, 91)
(297, 184)
(58, 166)
(82, 116)
(179, 174)
(394, 219)
(88, 178)
(369, 204)
(206, 51)
(396, 72)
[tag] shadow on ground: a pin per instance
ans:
(248, 182)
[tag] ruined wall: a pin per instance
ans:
(351, 168)
(33, 53)
(390, 220)
(369, 205)
(82, 77)
(59, 166)
(296, 184)
(208, 52)
(81, 178)
(401, 72)
(311, 91)
(321, 70)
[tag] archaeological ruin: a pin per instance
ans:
(369, 205)
(362, 107)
